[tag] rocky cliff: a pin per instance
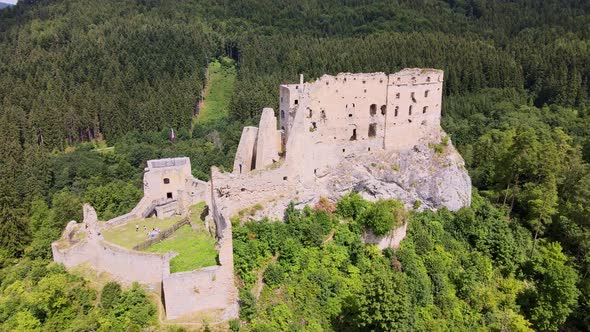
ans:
(432, 174)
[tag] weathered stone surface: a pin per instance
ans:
(246, 153)
(268, 141)
(419, 174)
(391, 240)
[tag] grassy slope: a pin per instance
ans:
(218, 92)
(126, 236)
(196, 249)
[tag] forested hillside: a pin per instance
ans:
(76, 76)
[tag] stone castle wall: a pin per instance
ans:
(339, 116)
(123, 264)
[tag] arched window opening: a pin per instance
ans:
(428, 79)
(169, 195)
(373, 109)
(310, 113)
(372, 130)
(410, 110)
(426, 93)
(413, 97)
(282, 114)
(240, 168)
(424, 109)
(397, 95)
(323, 114)
(353, 137)
(284, 178)
(166, 180)
(314, 125)
(296, 101)
(383, 109)
(396, 111)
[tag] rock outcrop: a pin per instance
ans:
(435, 179)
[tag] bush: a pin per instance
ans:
(248, 308)
(382, 215)
(274, 275)
(110, 295)
(351, 206)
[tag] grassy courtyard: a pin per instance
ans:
(126, 236)
(195, 248)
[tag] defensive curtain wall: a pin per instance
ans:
(365, 132)
(167, 182)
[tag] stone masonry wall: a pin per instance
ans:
(123, 264)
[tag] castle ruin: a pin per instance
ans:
(371, 133)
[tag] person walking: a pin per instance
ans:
(136, 227)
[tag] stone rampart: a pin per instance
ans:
(129, 265)
(202, 290)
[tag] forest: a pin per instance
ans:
(89, 91)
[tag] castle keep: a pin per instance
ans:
(344, 115)
(371, 133)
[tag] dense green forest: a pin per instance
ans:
(76, 76)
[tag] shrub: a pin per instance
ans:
(382, 215)
(417, 204)
(325, 205)
(248, 308)
(110, 295)
(351, 206)
(274, 275)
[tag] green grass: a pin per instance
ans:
(195, 248)
(220, 87)
(126, 236)
(196, 211)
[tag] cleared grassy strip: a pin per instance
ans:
(220, 86)
(195, 248)
(126, 236)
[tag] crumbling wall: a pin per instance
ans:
(124, 265)
(268, 142)
(245, 159)
(344, 116)
(208, 289)
(129, 266)
(270, 189)
(414, 107)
